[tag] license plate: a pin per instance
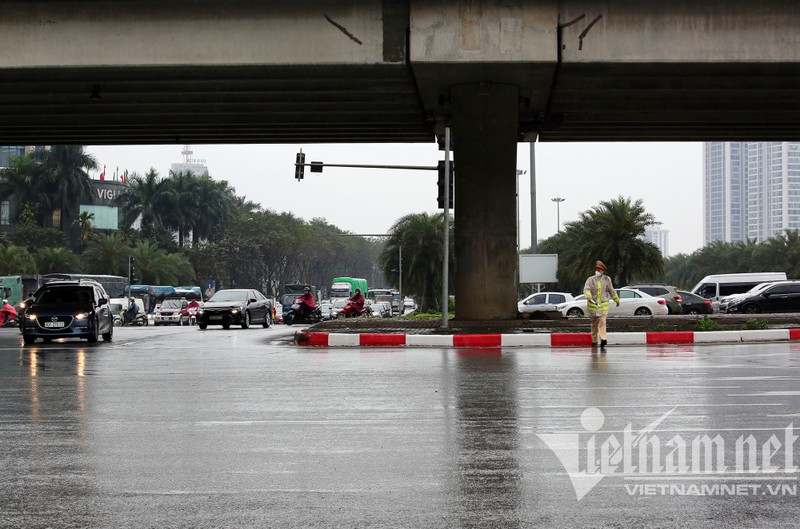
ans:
(215, 317)
(54, 324)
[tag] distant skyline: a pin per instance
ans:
(666, 176)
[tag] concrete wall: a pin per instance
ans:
(204, 32)
(692, 31)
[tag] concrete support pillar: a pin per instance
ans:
(484, 124)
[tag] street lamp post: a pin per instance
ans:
(558, 201)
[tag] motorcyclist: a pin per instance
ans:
(306, 301)
(130, 314)
(189, 310)
(355, 303)
(7, 313)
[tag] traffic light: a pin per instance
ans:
(132, 279)
(299, 165)
(440, 184)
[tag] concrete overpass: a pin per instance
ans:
(239, 71)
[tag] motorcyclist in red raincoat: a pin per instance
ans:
(355, 304)
(7, 312)
(306, 301)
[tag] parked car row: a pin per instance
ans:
(635, 300)
(727, 293)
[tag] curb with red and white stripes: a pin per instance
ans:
(324, 339)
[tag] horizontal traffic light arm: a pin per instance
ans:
(412, 167)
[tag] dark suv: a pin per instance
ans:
(660, 290)
(68, 309)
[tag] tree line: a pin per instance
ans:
(180, 229)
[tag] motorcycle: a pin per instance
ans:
(11, 321)
(295, 315)
(140, 320)
(189, 316)
(349, 311)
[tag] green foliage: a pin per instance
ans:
(660, 327)
(420, 236)
(756, 324)
(16, 260)
(107, 254)
(32, 237)
(705, 324)
(777, 254)
(427, 316)
(56, 260)
(609, 232)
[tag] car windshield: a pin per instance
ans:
(229, 295)
(65, 295)
(171, 304)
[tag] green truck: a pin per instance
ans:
(344, 287)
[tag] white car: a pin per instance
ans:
(543, 301)
(632, 302)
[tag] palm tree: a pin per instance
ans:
(154, 265)
(184, 207)
(107, 255)
(84, 223)
(54, 260)
(22, 179)
(65, 172)
(420, 236)
(217, 205)
(146, 197)
(15, 260)
(611, 233)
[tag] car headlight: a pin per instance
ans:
(81, 315)
(200, 311)
(234, 310)
(31, 316)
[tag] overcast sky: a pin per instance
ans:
(666, 176)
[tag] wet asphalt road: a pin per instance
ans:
(174, 427)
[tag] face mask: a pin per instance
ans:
(597, 273)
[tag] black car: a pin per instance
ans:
(235, 306)
(68, 309)
(694, 304)
(779, 297)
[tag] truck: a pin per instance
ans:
(344, 287)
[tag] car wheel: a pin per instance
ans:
(267, 321)
(574, 313)
(202, 326)
(94, 336)
(693, 312)
(28, 339)
(246, 320)
(751, 309)
(642, 311)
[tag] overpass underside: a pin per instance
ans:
(310, 71)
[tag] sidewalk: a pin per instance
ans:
(545, 333)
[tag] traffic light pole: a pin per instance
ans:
(446, 236)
